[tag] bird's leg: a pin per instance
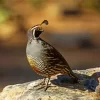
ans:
(43, 82)
(47, 83)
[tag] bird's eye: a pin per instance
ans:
(39, 28)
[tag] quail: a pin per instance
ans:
(44, 59)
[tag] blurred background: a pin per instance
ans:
(74, 30)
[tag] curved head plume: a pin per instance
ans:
(45, 22)
(36, 30)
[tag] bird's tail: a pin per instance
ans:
(68, 71)
(74, 77)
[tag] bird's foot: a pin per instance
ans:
(44, 84)
(45, 87)
(41, 83)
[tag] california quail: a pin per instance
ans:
(44, 58)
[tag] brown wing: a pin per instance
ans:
(54, 59)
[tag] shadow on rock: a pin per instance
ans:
(85, 82)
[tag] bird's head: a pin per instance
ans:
(35, 31)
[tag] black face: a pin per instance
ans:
(34, 32)
(37, 33)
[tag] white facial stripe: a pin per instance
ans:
(34, 27)
(33, 32)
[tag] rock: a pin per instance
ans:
(58, 90)
(97, 90)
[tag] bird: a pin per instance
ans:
(44, 59)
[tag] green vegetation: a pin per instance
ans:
(3, 14)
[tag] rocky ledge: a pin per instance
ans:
(61, 88)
